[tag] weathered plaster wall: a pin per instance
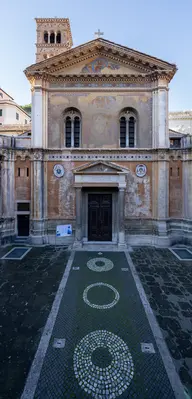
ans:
(100, 117)
(61, 193)
(138, 195)
(175, 189)
(22, 182)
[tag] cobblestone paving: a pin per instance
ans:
(27, 290)
(168, 284)
(101, 323)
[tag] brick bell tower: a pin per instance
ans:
(53, 37)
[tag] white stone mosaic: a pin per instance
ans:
(107, 382)
(92, 265)
(104, 306)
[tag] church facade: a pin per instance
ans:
(99, 157)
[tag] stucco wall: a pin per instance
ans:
(100, 117)
(9, 115)
(61, 193)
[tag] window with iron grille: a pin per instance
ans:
(72, 121)
(127, 129)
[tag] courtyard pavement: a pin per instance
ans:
(167, 281)
(94, 347)
(98, 342)
(27, 290)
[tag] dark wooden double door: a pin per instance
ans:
(100, 217)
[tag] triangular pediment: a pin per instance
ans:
(98, 57)
(100, 167)
(100, 65)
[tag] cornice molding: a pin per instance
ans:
(41, 20)
(105, 48)
(180, 115)
(52, 45)
(116, 78)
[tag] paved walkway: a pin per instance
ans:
(98, 346)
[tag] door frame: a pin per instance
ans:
(115, 214)
(110, 219)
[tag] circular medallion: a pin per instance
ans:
(100, 264)
(97, 306)
(103, 365)
(141, 170)
(58, 170)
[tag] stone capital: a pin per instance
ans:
(38, 155)
(8, 155)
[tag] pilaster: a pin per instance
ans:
(38, 228)
(163, 193)
(160, 114)
(37, 132)
(8, 184)
(8, 193)
(187, 186)
(121, 205)
(78, 224)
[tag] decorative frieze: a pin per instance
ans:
(96, 157)
(99, 83)
(23, 155)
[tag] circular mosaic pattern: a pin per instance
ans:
(103, 382)
(141, 170)
(104, 264)
(105, 306)
(58, 170)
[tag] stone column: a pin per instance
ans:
(78, 225)
(121, 205)
(38, 199)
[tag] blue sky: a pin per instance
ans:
(159, 28)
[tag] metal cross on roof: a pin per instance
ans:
(99, 33)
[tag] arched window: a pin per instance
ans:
(46, 37)
(127, 128)
(58, 38)
(72, 122)
(52, 37)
